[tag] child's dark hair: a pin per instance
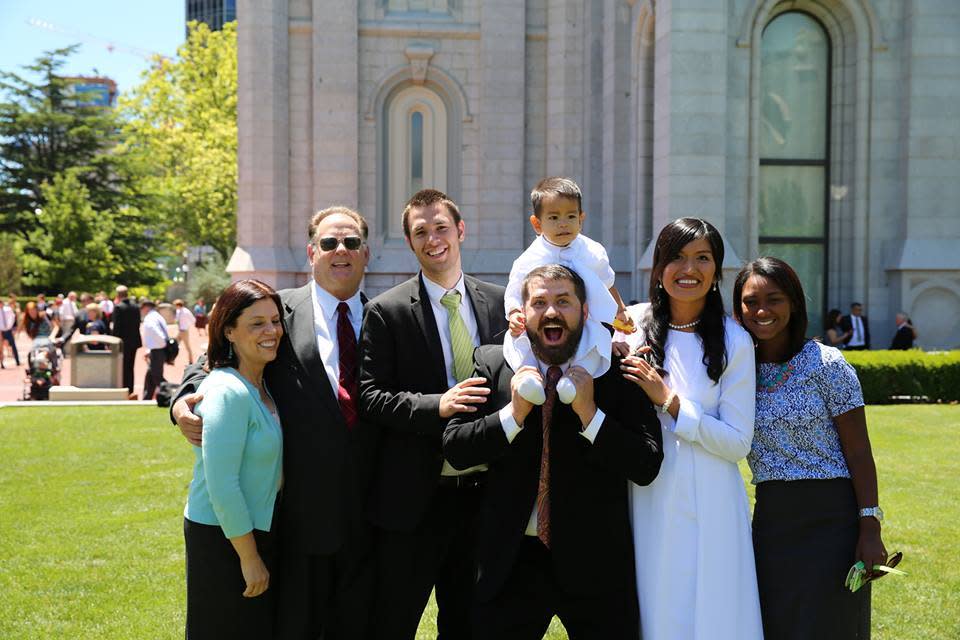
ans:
(555, 186)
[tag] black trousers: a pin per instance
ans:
(129, 359)
(216, 607)
(439, 553)
(523, 609)
(804, 539)
(327, 596)
(154, 377)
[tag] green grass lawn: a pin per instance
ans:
(91, 541)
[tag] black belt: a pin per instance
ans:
(469, 481)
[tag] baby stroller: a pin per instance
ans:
(43, 370)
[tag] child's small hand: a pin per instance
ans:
(623, 322)
(518, 323)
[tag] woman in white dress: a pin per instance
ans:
(696, 578)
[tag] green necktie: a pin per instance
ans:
(460, 342)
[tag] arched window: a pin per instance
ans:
(794, 151)
(416, 141)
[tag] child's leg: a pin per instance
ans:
(518, 353)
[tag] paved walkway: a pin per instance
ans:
(12, 377)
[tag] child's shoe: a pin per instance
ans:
(531, 390)
(566, 390)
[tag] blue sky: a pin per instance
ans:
(142, 25)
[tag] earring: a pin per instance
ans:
(230, 351)
(660, 284)
(716, 286)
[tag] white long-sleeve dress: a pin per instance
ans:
(696, 578)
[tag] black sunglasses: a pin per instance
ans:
(351, 243)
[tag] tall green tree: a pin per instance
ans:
(181, 127)
(76, 253)
(45, 134)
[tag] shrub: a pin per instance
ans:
(885, 374)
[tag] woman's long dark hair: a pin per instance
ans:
(231, 303)
(781, 274)
(674, 237)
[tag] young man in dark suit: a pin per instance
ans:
(417, 345)
(859, 327)
(126, 326)
(326, 567)
(555, 535)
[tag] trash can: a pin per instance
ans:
(96, 368)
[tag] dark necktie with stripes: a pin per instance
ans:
(543, 490)
(347, 342)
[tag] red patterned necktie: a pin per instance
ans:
(347, 341)
(543, 490)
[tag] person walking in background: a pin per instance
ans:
(906, 333)
(68, 314)
(200, 316)
(126, 326)
(696, 577)
(36, 324)
(817, 510)
(184, 320)
(95, 326)
(228, 522)
(106, 306)
(155, 341)
(833, 333)
(859, 328)
(8, 323)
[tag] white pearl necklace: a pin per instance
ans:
(680, 327)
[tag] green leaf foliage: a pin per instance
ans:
(914, 373)
(72, 246)
(181, 129)
(47, 137)
(208, 280)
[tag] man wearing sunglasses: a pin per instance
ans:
(326, 569)
(416, 372)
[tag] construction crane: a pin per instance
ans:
(109, 45)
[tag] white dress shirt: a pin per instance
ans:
(154, 331)
(68, 311)
(858, 338)
(435, 292)
(325, 326)
(511, 429)
(8, 318)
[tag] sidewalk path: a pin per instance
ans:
(12, 377)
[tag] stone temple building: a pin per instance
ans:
(826, 132)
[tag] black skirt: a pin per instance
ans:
(804, 538)
(216, 607)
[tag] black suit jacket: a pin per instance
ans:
(847, 325)
(902, 339)
(402, 376)
(326, 467)
(126, 323)
(591, 539)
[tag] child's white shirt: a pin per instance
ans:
(589, 259)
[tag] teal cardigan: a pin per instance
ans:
(238, 467)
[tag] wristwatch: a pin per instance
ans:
(876, 512)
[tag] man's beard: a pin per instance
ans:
(558, 353)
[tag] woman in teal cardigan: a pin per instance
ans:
(230, 546)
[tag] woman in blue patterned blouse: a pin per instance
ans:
(816, 510)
